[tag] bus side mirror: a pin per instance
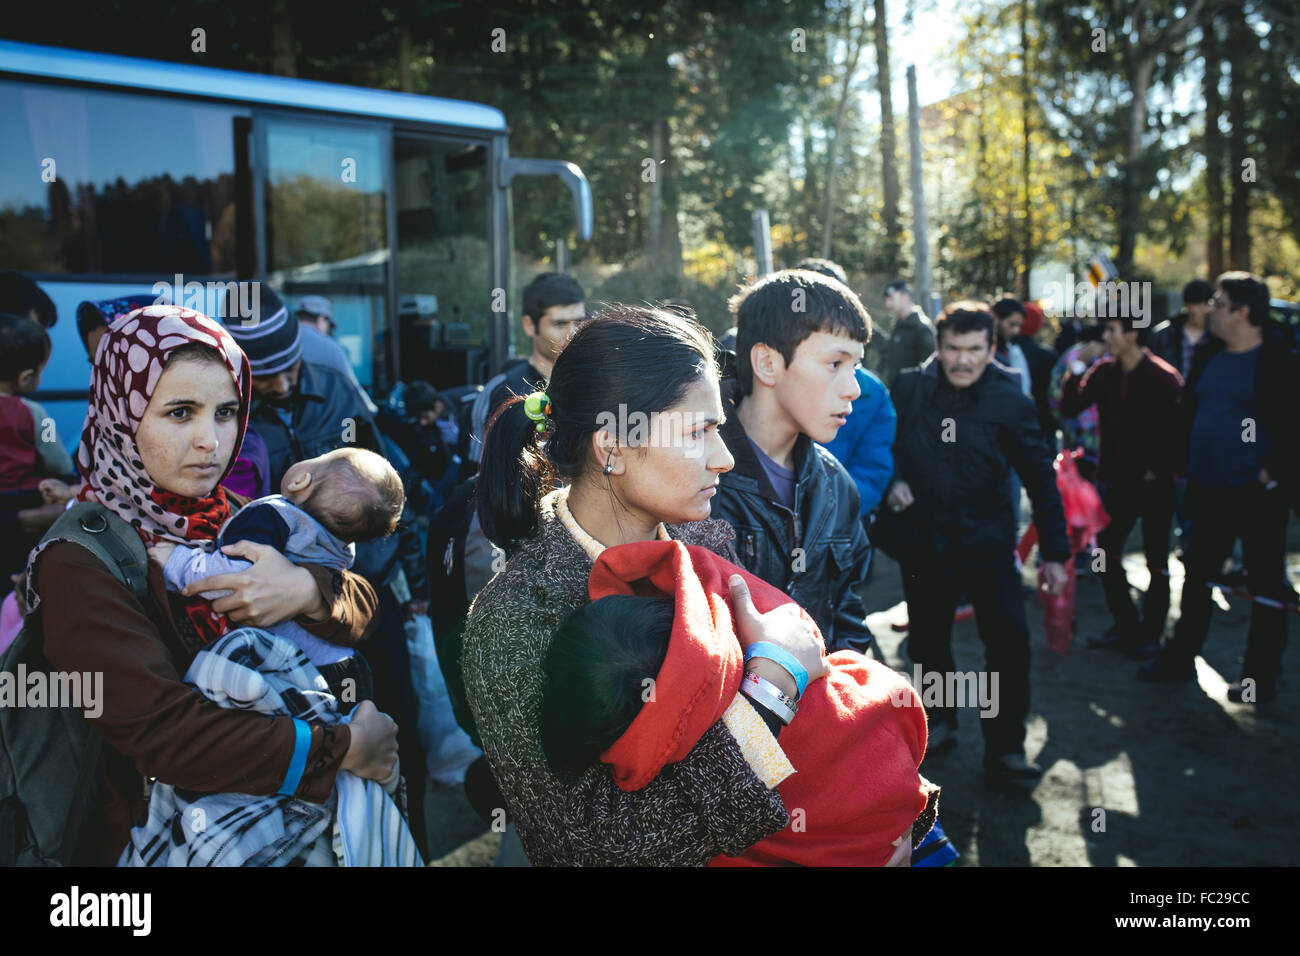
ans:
(571, 175)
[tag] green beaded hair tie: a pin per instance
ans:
(537, 406)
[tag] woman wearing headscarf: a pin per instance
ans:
(169, 403)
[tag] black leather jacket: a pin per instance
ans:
(320, 411)
(956, 449)
(818, 553)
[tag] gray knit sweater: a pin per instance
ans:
(711, 803)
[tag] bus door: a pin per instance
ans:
(444, 258)
(322, 189)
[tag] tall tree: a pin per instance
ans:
(284, 58)
(1026, 109)
(1212, 145)
(1150, 33)
(1239, 54)
(854, 34)
(892, 192)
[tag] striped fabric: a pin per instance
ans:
(369, 829)
(359, 825)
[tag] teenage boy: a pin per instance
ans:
(554, 307)
(865, 445)
(1136, 394)
(799, 339)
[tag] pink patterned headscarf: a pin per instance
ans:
(128, 364)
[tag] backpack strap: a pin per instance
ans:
(119, 547)
(106, 535)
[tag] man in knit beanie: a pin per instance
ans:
(301, 409)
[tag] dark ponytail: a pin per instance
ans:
(640, 358)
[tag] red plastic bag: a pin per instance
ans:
(1084, 514)
(1058, 611)
(1084, 517)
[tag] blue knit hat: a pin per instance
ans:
(269, 337)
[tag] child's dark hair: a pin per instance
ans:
(965, 316)
(595, 675)
(784, 308)
(23, 345)
(20, 295)
(634, 358)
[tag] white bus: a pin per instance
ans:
(119, 174)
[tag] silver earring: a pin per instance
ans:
(609, 464)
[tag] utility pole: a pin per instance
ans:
(762, 242)
(920, 227)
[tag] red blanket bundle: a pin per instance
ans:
(856, 743)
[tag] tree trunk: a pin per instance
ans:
(1131, 186)
(852, 53)
(920, 223)
(808, 195)
(1152, 46)
(674, 266)
(1239, 209)
(654, 219)
(1026, 98)
(1213, 147)
(982, 171)
(888, 151)
(284, 61)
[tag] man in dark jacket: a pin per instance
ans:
(302, 410)
(963, 426)
(1176, 339)
(911, 340)
(1136, 394)
(1238, 435)
(799, 338)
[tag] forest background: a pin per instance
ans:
(1160, 133)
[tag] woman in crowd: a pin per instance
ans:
(168, 412)
(622, 447)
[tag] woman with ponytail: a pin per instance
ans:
(622, 446)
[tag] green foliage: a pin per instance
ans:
(747, 122)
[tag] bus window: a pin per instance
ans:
(326, 221)
(443, 258)
(105, 183)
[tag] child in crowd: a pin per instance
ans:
(799, 340)
(327, 503)
(634, 678)
(30, 450)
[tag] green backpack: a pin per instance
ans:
(50, 756)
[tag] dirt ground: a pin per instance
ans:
(1136, 774)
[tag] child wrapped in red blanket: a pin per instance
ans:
(636, 677)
